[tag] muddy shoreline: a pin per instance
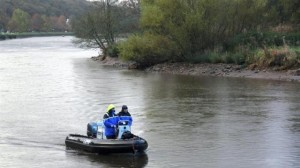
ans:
(221, 70)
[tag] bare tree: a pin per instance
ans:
(99, 27)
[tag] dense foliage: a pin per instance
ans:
(197, 28)
(39, 15)
(148, 49)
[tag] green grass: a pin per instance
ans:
(279, 58)
(218, 57)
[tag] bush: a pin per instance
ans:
(218, 57)
(2, 37)
(256, 40)
(198, 58)
(113, 51)
(281, 58)
(214, 57)
(147, 49)
(235, 58)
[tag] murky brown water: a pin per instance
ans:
(49, 88)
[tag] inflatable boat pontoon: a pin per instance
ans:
(96, 142)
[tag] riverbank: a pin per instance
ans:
(6, 36)
(221, 70)
(225, 70)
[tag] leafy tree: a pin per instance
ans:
(20, 21)
(5, 9)
(36, 22)
(46, 23)
(67, 8)
(284, 11)
(53, 22)
(61, 23)
(147, 49)
(3, 21)
(195, 26)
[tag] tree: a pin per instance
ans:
(285, 11)
(67, 8)
(36, 22)
(46, 23)
(4, 15)
(129, 19)
(99, 27)
(53, 23)
(196, 26)
(20, 21)
(3, 21)
(61, 23)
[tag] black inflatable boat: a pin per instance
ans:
(95, 145)
(96, 142)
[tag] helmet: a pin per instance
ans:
(124, 107)
(111, 106)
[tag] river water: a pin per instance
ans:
(49, 88)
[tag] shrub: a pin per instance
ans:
(218, 57)
(235, 58)
(256, 40)
(281, 58)
(2, 37)
(147, 49)
(113, 51)
(198, 58)
(214, 57)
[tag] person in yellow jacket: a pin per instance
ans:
(110, 121)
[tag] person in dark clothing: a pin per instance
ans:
(125, 115)
(124, 111)
(110, 120)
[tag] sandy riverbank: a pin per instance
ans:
(222, 70)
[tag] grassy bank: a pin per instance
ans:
(5, 36)
(276, 57)
(258, 50)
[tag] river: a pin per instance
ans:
(49, 89)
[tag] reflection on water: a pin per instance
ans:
(49, 88)
(111, 160)
(232, 121)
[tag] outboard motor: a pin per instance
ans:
(123, 128)
(92, 129)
